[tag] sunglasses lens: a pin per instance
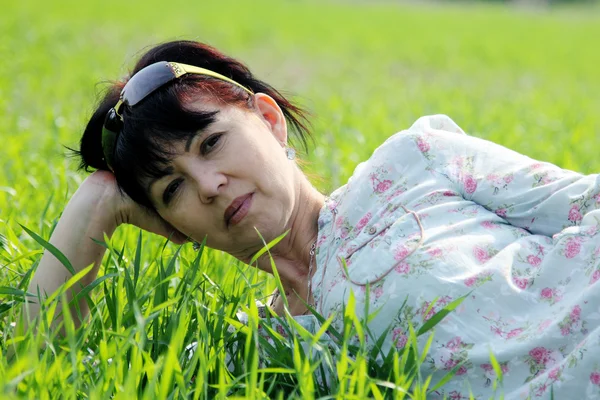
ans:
(112, 122)
(147, 81)
(110, 131)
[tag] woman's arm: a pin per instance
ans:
(96, 209)
(530, 194)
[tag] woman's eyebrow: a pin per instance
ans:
(189, 140)
(188, 143)
(159, 175)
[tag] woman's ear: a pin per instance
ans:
(272, 115)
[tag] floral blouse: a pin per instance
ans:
(437, 214)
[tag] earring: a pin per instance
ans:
(290, 153)
(196, 246)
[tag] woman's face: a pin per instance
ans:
(231, 178)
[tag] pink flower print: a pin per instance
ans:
(501, 212)
(344, 232)
(575, 313)
(401, 342)
(597, 197)
(449, 193)
(547, 293)
(363, 221)
(508, 178)
(491, 177)
(454, 395)
(497, 331)
(383, 186)
(574, 214)
(565, 331)
(440, 303)
(321, 240)
(487, 367)
(395, 193)
(521, 283)
(535, 166)
(399, 338)
(541, 390)
(480, 254)
(470, 184)
(423, 145)
(402, 268)
(554, 373)
(450, 363)
(429, 314)
(378, 291)
(595, 378)
(470, 281)
(592, 230)
(514, 333)
(443, 301)
(534, 261)
(435, 253)
(489, 225)
(400, 253)
(454, 343)
(546, 179)
(595, 276)
(540, 355)
(544, 325)
(572, 248)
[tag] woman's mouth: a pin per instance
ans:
(238, 209)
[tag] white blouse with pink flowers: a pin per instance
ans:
(437, 214)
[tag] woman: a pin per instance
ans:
(433, 216)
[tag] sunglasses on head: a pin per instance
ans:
(140, 86)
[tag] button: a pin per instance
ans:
(372, 230)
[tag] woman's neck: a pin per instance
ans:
(292, 254)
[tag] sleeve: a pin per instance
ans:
(530, 194)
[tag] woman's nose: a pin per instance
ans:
(209, 183)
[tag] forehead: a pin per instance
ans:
(166, 146)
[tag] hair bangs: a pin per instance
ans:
(150, 131)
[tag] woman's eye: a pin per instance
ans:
(170, 191)
(209, 144)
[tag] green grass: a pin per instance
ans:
(526, 79)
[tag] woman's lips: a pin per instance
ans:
(238, 209)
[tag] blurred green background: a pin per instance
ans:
(524, 74)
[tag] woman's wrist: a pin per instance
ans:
(99, 196)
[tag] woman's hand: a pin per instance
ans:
(96, 209)
(126, 211)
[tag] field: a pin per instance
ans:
(527, 79)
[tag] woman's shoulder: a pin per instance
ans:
(381, 184)
(371, 212)
(399, 160)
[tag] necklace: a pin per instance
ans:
(313, 248)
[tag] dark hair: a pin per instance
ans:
(162, 118)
